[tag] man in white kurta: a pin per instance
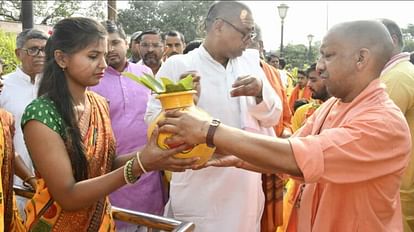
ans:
(20, 88)
(222, 199)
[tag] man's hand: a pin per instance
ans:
(224, 161)
(196, 83)
(248, 86)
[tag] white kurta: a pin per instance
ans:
(17, 93)
(221, 199)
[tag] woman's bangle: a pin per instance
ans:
(140, 164)
(128, 173)
(26, 181)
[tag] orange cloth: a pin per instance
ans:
(297, 94)
(10, 219)
(273, 76)
(352, 156)
(271, 183)
(298, 119)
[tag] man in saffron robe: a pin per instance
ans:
(350, 155)
(301, 90)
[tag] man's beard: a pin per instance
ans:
(322, 95)
(151, 59)
(173, 53)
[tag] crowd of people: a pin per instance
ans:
(329, 149)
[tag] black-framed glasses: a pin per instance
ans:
(148, 45)
(246, 35)
(34, 51)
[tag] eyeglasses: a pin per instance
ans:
(33, 51)
(245, 36)
(148, 45)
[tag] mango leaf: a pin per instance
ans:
(158, 86)
(167, 81)
(187, 82)
(166, 85)
(146, 80)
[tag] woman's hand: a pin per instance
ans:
(155, 158)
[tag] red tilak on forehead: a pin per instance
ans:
(245, 18)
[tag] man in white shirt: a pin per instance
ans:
(234, 89)
(20, 88)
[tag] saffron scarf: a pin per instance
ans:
(296, 95)
(271, 183)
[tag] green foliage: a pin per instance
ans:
(49, 12)
(409, 29)
(8, 45)
(10, 10)
(409, 46)
(186, 17)
(166, 85)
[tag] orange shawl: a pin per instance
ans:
(272, 184)
(307, 94)
(274, 79)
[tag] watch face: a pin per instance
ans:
(215, 122)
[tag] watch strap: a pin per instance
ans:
(211, 131)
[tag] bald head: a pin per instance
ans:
(353, 54)
(367, 34)
(229, 10)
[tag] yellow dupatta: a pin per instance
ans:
(44, 214)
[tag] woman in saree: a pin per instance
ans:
(68, 134)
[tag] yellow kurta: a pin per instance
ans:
(400, 86)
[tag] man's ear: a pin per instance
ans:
(60, 58)
(395, 40)
(364, 56)
(17, 52)
(218, 24)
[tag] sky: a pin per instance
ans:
(315, 17)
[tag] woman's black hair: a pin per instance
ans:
(70, 35)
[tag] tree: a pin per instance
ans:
(49, 12)
(297, 55)
(184, 16)
(409, 30)
(408, 36)
(10, 10)
(8, 45)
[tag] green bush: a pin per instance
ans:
(8, 45)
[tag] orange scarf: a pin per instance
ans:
(274, 79)
(272, 184)
(307, 94)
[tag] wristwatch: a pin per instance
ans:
(211, 130)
